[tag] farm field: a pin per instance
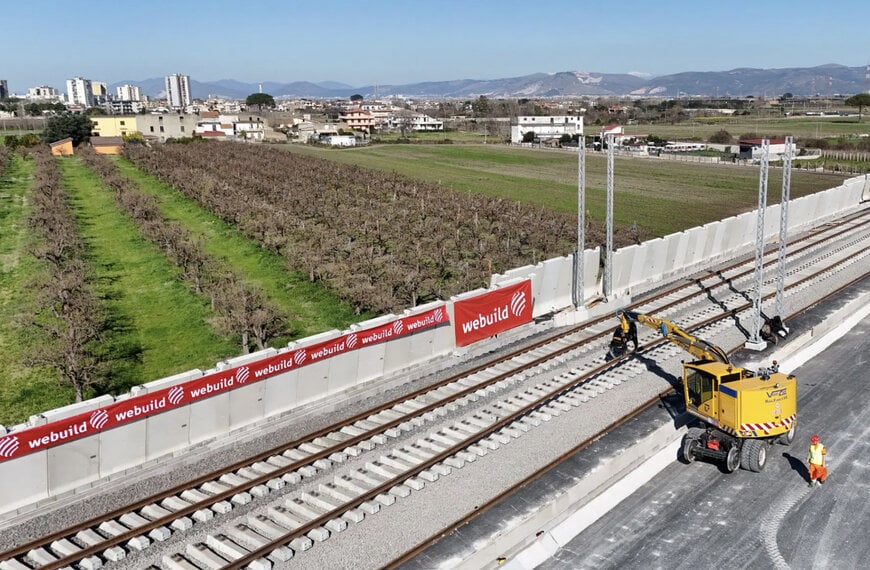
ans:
(161, 327)
(662, 197)
(801, 127)
(312, 307)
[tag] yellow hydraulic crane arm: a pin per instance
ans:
(700, 349)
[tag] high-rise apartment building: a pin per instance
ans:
(178, 90)
(128, 93)
(4, 89)
(80, 92)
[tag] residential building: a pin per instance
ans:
(252, 129)
(358, 119)
(114, 126)
(128, 93)
(415, 122)
(63, 147)
(4, 89)
(79, 92)
(107, 145)
(161, 126)
(116, 107)
(177, 90)
(546, 127)
(338, 140)
(43, 93)
(751, 149)
(99, 88)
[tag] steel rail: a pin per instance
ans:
(156, 523)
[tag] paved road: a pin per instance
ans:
(694, 516)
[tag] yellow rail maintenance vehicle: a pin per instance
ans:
(744, 410)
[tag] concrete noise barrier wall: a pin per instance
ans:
(65, 449)
(683, 252)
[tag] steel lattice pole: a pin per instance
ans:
(608, 246)
(579, 282)
(759, 242)
(783, 227)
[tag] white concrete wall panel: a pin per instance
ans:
(523, 272)
(342, 371)
(123, 447)
(370, 362)
(280, 390)
(209, 417)
(313, 380)
(370, 359)
(76, 462)
(24, 481)
(169, 381)
(554, 290)
(396, 355)
(167, 432)
(246, 358)
(247, 404)
(73, 464)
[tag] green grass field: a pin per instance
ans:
(23, 390)
(313, 308)
(801, 127)
(157, 316)
(661, 196)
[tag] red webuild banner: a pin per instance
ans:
(490, 313)
(38, 438)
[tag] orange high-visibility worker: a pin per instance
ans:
(816, 460)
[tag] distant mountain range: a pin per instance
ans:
(800, 81)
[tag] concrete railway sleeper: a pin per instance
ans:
(133, 530)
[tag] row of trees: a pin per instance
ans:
(69, 319)
(241, 309)
(382, 241)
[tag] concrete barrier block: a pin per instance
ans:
(280, 390)
(167, 382)
(25, 480)
(396, 356)
(76, 409)
(245, 359)
(167, 432)
(555, 285)
(342, 371)
(73, 464)
(209, 417)
(312, 381)
(123, 447)
(247, 404)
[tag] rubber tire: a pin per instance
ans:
(788, 437)
(690, 444)
(754, 455)
(732, 461)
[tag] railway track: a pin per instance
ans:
(275, 506)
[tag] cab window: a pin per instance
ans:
(700, 385)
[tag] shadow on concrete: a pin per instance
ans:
(797, 465)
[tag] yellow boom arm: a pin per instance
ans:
(700, 349)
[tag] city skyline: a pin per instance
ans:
(392, 42)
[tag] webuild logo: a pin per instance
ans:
(99, 419)
(352, 340)
(491, 313)
(9, 446)
(242, 374)
(176, 395)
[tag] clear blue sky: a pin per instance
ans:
(364, 42)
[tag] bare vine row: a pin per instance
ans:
(241, 309)
(70, 319)
(382, 241)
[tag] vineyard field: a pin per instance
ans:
(662, 197)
